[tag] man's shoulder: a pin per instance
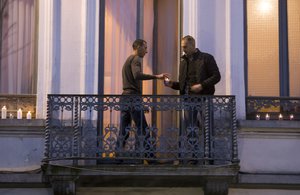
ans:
(132, 59)
(204, 54)
(135, 59)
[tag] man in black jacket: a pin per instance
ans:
(198, 71)
(198, 74)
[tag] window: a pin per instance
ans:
(263, 48)
(273, 63)
(148, 20)
(18, 67)
(273, 45)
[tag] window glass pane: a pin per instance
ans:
(263, 48)
(120, 32)
(294, 46)
(18, 59)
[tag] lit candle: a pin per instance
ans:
(3, 112)
(19, 114)
(267, 117)
(291, 117)
(280, 117)
(11, 116)
(28, 115)
(257, 117)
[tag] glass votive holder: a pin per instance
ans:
(280, 117)
(267, 117)
(257, 117)
(11, 116)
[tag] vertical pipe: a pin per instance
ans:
(101, 61)
(140, 19)
(246, 55)
(283, 49)
(154, 57)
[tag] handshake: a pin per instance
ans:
(195, 88)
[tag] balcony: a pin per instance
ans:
(83, 143)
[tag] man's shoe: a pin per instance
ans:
(176, 162)
(145, 162)
(192, 162)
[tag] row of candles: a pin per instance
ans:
(267, 117)
(19, 114)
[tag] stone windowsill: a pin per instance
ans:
(271, 128)
(20, 127)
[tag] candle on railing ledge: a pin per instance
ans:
(28, 115)
(257, 117)
(267, 117)
(11, 116)
(291, 117)
(3, 112)
(280, 117)
(19, 114)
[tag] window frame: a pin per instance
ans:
(284, 81)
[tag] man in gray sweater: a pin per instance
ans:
(133, 76)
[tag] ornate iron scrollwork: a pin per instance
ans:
(201, 128)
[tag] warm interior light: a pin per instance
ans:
(265, 6)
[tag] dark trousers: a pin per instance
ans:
(191, 134)
(126, 119)
(135, 112)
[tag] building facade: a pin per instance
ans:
(79, 47)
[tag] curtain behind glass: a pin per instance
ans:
(294, 46)
(167, 50)
(120, 32)
(18, 68)
(263, 48)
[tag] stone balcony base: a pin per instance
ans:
(214, 179)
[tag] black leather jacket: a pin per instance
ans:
(204, 71)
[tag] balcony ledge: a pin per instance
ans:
(144, 175)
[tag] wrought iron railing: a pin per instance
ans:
(80, 128)
(273, 108)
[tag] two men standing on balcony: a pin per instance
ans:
(133, 76)
(198, 74)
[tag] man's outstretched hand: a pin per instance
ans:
(162, 76)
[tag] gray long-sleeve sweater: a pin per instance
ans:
(132, 75)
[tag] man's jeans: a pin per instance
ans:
(134, 111)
